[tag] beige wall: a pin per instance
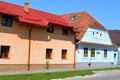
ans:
(17, 38)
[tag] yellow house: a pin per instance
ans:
(29, 38)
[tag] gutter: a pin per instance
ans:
(29, 48)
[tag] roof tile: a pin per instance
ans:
(82, 20)
(33, 17)
(115, 36)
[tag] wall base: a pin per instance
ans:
(22, 67)
(94, 64)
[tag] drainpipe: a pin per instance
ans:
(74, 52)
(29, 48)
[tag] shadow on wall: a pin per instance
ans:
(38, 33)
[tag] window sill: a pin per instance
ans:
(49, 59)
(4, 58)
(64, 59)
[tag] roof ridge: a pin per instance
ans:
(29, 8)
(76, 12)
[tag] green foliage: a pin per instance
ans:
(47, 65)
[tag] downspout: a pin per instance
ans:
(29, 48)
(75, 52)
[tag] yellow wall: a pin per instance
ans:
(17, 38)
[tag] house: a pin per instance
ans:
(31, 39)
(115, 37)
(94, 46)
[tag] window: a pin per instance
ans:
(5, 52)
(50, 29)
(64, 30)
(72, 18)
(64, 54)
(93, 33)
(92, 52)
(48, 53)
(85, 52)
(105, 52)
(97, 32)
(100, 34)
(77, 28)
(6, 20)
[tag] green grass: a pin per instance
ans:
(46, 76)
(52, 75)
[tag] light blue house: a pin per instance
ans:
(94, 46)
(95, 49)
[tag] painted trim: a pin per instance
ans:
(84, 42)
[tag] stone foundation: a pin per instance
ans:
(20, 67)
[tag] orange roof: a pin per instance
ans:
(33, 17)
(82, 20)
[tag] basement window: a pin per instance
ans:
(5, 50)
(48, 53)
(6, 20)
(64, 54)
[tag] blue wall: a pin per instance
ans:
(99, 53)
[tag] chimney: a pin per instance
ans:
(26, 7)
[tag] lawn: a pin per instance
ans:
(52, 75)
(46, 76)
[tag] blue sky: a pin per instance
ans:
(107, 12)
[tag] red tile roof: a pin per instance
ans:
(33, 17)
(115, 36)
(82, 20)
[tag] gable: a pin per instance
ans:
(97, 36)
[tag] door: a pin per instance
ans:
(119, 58)
(115, 58)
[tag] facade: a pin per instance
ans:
(94, 46)
(29, 38)
(115, 37)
